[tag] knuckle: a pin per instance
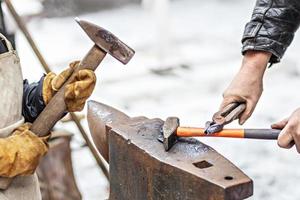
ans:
(291, 127)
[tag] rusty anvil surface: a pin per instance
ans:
(141, 169)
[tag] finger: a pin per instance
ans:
(47, 90)
(285, 138)
(231, 99)
(61, 78)
(23, 127)
(281, 124)
(79, 91)
(74, 64)
(295, 133)
(74, 106)
(297, 144)
(85, 84)
(247, 113)
(86, 75)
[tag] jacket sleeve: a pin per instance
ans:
(33, 103)
(272, 27)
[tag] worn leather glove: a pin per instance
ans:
(247, 85)
(76, 93)
(20, 153)
(290, 133)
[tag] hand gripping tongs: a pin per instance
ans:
(223, 117)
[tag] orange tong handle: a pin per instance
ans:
(198, 132)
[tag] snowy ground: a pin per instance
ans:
(187, 82)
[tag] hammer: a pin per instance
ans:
(171, 130)
(105, 42)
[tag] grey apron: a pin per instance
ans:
(11, 92)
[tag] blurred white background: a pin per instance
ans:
(187, 51)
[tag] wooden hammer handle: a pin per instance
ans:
(56, 108)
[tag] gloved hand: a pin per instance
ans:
(290, 133)
(247, 85)
(20, 153)
(76, 93)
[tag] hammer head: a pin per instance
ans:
(107, 42)
(169, 132)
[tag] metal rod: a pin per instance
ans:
(100, 161)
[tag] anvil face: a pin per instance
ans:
(140, 168)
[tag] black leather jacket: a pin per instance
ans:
(272, 27)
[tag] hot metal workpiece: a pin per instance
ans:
(141, 169)
(225, 116)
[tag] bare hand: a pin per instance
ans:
(247, 85)
(290, 133)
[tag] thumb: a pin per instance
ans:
(61, 78)
(247, 113)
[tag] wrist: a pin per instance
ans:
(255, 62)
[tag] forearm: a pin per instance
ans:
(255, 63)
(272, 27)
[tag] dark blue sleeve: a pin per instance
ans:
(33, 103)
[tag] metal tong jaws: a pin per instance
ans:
(223, 117)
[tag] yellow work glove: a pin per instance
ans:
(20, 153)
(76, 93)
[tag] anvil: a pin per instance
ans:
(140, 168)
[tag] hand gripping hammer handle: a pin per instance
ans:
(57, 107)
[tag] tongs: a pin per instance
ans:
(223, 117)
